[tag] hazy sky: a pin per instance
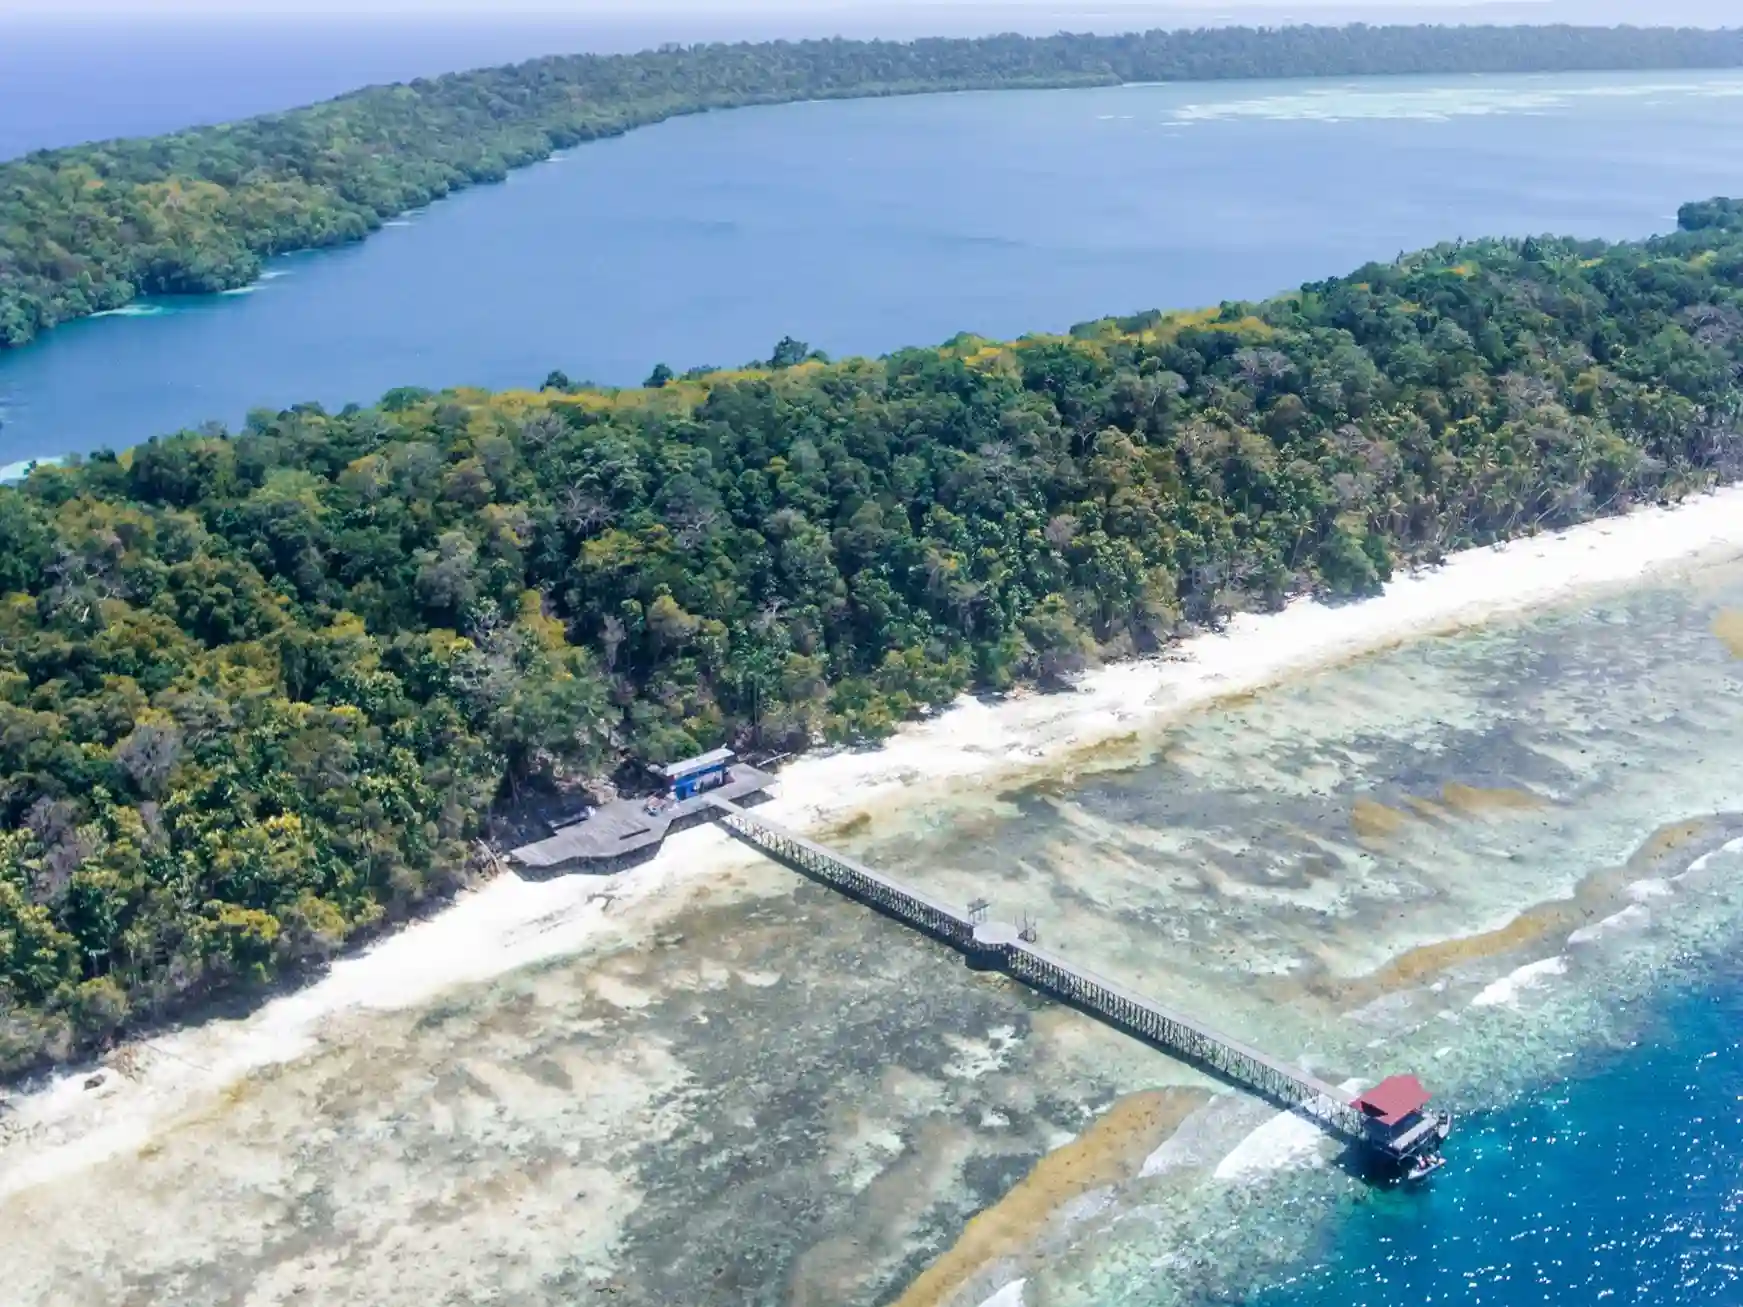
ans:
(598, 9)
(1099, 14)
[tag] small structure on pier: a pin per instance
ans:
(1398, 1124)
(706, 771)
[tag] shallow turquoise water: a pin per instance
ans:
(868, 226)
(1620, 1184)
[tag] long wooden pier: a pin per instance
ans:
(996, 945)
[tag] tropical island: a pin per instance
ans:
(91, 228)
(261, 692)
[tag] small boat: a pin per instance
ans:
(1423, 1166)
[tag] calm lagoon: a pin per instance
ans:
(866, 226)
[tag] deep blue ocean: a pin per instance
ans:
(867, 226)
(1622, 1184)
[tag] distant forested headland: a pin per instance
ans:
(89, 229)
(259, 692)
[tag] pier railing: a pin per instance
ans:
(855, 879)
(1002, 946)
(1227, 1058)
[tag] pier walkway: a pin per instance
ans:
(996, 945)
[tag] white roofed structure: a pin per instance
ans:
(710, 761)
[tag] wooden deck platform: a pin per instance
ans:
(616, 833)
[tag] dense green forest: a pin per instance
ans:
(87, 229)
(259, 692)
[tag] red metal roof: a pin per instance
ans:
(1393, 1099)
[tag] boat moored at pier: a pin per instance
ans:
(1399, 1125)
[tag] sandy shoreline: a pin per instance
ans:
(61, 1127)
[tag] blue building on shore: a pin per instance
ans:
(686, 779)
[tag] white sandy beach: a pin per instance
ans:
(56, 1129)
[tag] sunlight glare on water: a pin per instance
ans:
(1621, 1184)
